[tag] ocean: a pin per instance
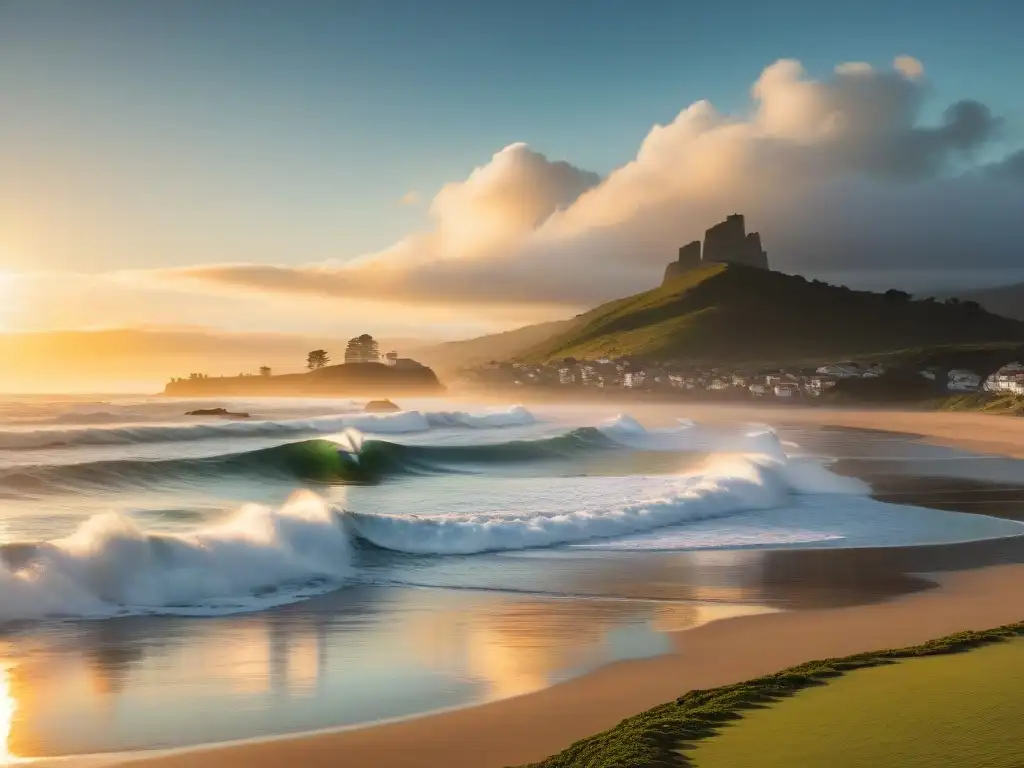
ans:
(336, 536)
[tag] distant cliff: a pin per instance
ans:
(371, 379)
(725, 243)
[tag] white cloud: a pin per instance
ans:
(910, 67)
(411, 198)
(836, 174)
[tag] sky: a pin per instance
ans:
(444, 169)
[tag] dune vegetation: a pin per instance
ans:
(675, 733)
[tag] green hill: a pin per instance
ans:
(1007, 300)
(729, 313)
(469, 353)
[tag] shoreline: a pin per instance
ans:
(535, 725)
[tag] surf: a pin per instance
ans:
(402, 422)
(257, 557)
(262, 556)
(347, 457)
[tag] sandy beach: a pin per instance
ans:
(533, 726)
(977, 432)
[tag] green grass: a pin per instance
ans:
(964, 711)
(985, 402)
(661, 736)
(727, 313)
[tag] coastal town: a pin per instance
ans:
(723, 381)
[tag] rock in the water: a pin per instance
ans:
(224, 412)
(381, 406)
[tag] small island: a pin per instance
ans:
(364, 372)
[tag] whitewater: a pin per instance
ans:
(113, 509)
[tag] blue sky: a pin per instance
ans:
(152, 133)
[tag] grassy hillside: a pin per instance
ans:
(729, 313)
(1007, 300)
(496, 346)
(1003, 403)
(667, 734)
(881, 717)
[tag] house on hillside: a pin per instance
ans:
(818, 385)
(963, 380)
(1009, 378)
(840, 370)
(786, 390)
(634, 379)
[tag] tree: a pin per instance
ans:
(893, 295)
(265, 370)
(362, 349)
(318, 358)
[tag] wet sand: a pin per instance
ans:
(978, 432)
(533, 726)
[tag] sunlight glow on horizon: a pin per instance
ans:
(7, 301)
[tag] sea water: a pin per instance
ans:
(168, 580)
(127, 506)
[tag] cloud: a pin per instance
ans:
(909, 66)
(837, 174)
(411, 198)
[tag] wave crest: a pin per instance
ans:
(110, 566)
(726, 485)
(403, 422)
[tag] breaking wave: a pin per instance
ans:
(403, 422)
(109, 566)
(347, 457)
(726, 485)
(263, 556)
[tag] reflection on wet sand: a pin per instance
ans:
(8, 710)
(146, 683)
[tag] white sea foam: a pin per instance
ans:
(109, 566)
(516, 416)
(571, 510)
(403, 422)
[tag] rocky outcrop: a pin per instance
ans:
(725, 243)
(689, 255)
(757, 256)
(381, 406)
(222, 412)
(729, 243)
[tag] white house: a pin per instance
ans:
(566, 376)
(588, 374)
(816, 385)
(963, 380)
(634, 379)
(786, 390)
(839, 371)
(1009, 378)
